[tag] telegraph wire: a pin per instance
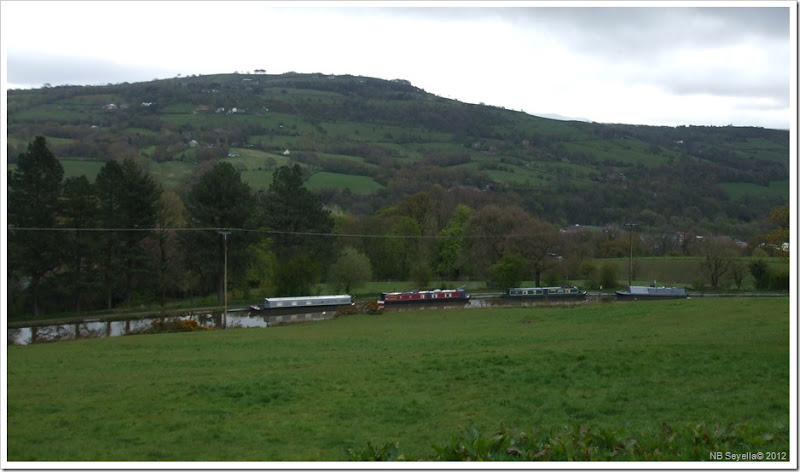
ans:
(273, 232)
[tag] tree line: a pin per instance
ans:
(122, 240)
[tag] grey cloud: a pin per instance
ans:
(35, 69)
(638, 32)
(779, 95)
(644, 32)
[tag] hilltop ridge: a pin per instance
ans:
(358, 137)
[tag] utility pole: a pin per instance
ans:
(225, 278)
(630, 227)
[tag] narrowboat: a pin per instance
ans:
(545, 293)
(423, 297)
(298, 304)
(640, 292)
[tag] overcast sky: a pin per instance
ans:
(714, 63)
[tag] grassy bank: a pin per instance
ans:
(312, 391)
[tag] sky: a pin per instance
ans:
(653, 63)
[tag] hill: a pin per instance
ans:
(361, 136)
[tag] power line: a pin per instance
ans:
(273, 232)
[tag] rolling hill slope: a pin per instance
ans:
(365, 142)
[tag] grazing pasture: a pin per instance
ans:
(310, 392)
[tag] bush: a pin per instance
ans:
(692, 442)
(552, 279)
(372, 308)
(174, 325)
(698, 285)
(387, 452)
(779, 281)
(421, 274)
(590, 274)
(609, 273)
(761, 274)
(508, 271)
(346, 310)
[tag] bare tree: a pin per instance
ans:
(539, 243)
(717, 257)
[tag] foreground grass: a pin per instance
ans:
(313, 391)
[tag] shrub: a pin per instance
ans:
(691, 442)
(779, 281)
(609, 273)
(761, 274)
(590, 274)
(174, 325)
(508, 271)
(387, 452)
(552, 279)
(421, 274)
(346, 310)
(698, 285)
(371, 307)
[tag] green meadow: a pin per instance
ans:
(741, 189)
(412, 379)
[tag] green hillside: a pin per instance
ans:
(360, 136)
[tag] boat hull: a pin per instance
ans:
(544, 293)
(309, 304)
(571, 296)
(651, 293)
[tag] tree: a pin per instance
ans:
(488, 229)
(108, 187)
(738, 272)
(220, 199)
(169, 215)
(717, 255)
(139, 205)
(351, 269)
(538, 242)
(779, 219)
(761, 273)
(79, 211)
(451, 244)
(609, 274)
(421, 274)
(294, 214)
(293, 276)
(291, 210)
(127, 210)
(401, 247)
(33, 202)
(509, 271)
(419, 207)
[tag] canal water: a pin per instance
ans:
(100, 329)
(240, 319)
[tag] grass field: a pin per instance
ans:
(776, 188)
(311, 391)
(682, 270)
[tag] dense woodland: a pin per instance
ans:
(78, 245)
(117, 194)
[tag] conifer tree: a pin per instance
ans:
(292, 211)
(34, 248)
(79, 211)
(220, 199)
